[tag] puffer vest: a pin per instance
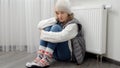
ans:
(77, 43)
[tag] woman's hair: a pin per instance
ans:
(70, 17)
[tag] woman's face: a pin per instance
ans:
(61, 16)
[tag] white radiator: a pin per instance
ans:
(93, 20)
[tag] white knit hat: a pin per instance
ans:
(63, 5)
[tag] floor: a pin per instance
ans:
(18, 60)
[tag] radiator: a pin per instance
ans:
(94, 22)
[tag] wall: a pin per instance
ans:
(113, 42)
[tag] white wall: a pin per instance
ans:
(113, 42)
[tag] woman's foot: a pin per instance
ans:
(44, 62)
(37, 59)
(30, 64)
(41, 64)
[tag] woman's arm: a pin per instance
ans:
(45, 23)
(68, 33)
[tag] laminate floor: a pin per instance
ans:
(19, 59)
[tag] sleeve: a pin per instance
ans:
(67, 33)
(45, 23)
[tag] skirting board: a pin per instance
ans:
(104, 58)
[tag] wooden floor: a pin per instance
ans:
(18, 60)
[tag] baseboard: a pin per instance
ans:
(111, 61)
(89, 55)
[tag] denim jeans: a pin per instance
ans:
(61, 50)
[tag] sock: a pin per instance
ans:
(47, 59)
(40, 53)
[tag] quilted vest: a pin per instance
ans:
(78, 44)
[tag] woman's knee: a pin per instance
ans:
(56, 28)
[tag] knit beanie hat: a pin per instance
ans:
(63, 5)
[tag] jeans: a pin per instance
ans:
(61, 50)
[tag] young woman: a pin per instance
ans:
(54, 36)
